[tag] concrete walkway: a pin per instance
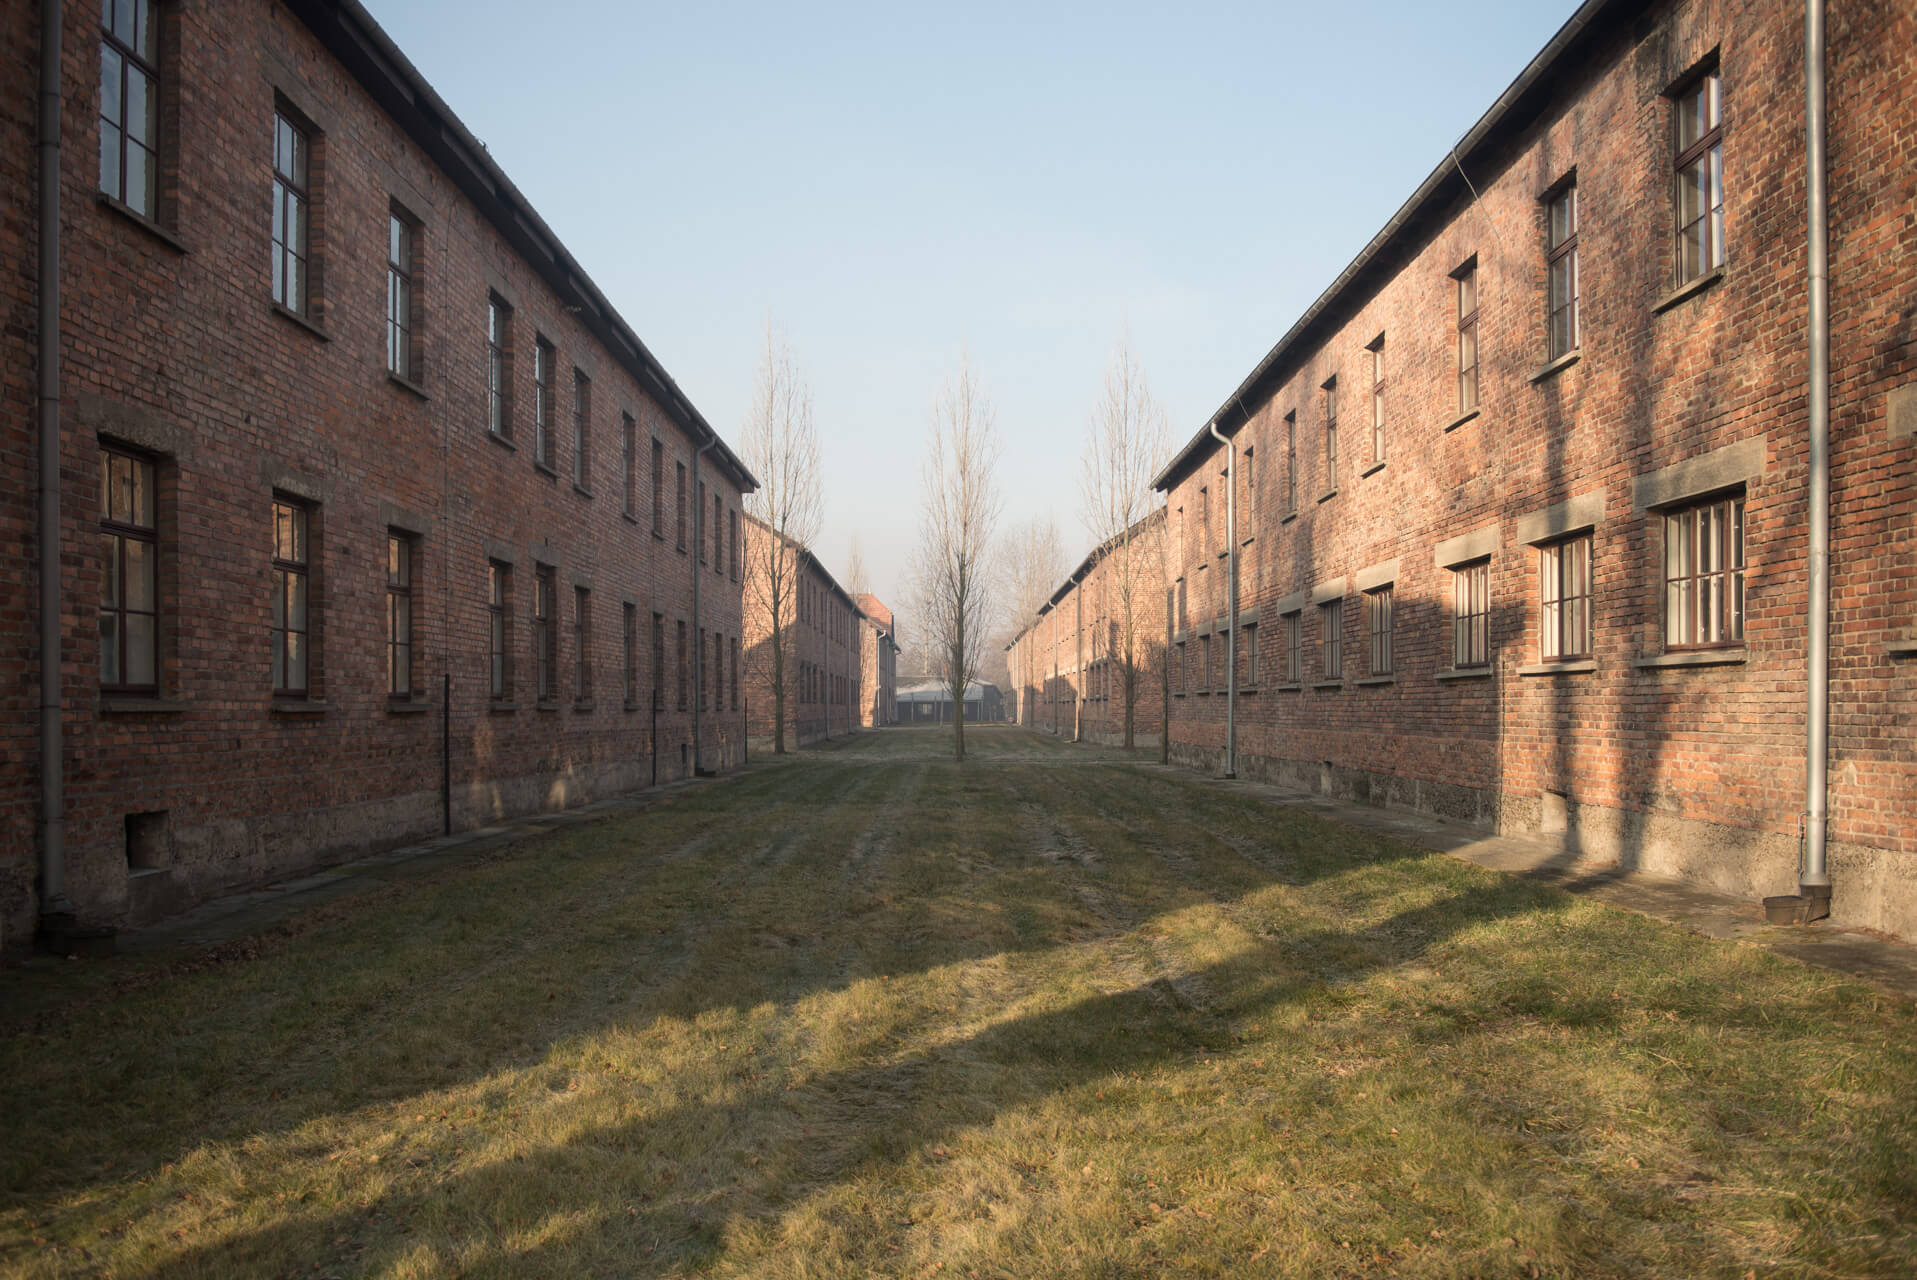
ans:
(1871, 956)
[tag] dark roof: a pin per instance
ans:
(1529, 95)
(364, 49)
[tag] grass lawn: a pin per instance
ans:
(866, 1012)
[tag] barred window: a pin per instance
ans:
(1704, 575)
(581, 644)
(499, 321)
(581, 429)
(399, 614)
(1331, 435)
(1377, 398)
(1294, 647)
(1467, 278)
(1331, 640)
(542, 402)
(545, 635)
(1471, 615)
(1378, 625)
(130, 585)
(1561, 265)
(291, 649)
(499, 620)
(1564, 599)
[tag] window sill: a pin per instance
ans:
(581, 490)
(1464, 673)
(1461, 419)
(502, 707)
(1377, 680)
(680, 548)
(299, 707)
(285, 312)
(630, 705)
(132, 705)
(544, 470)
(546, 704)
(408, 706)
(583, 705)
(1904, 646)
(629, 518)
(401, 381)
(1327, 684)
(1179, 694)
(504, 442)
(143, 222)
(1288, 688)
(1571, 667)
(1693, 658)
(1559, 365)
(1373, 469)
(1288, 517)
(1686, 291)
(1328, 494)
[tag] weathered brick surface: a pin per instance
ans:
(1696, 770)
(171, 343)
(822, 672)
(878, 687)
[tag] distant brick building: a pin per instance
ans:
(1523, 496)
(878, 662)
(375, 516)
(822, 635)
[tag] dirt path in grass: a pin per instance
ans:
(867, 1011)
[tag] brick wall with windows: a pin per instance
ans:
(1591, 515)
(824, 670)
(303, 363)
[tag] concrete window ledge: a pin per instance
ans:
(299, 706)
(1461, 419)
(1328, 684)
(1904, 646)
(143, 706)
(502, 441)
(1288, 688)
(1558, 365)
(408, 384)
(1289, 517)
(583, 705)
(1372, 680)
(143, 222)
(1464, 673)
(312, 327)
(1577, 666)
(1689, 289)
(1698, 658)
(1373, 469)
(1328, 494)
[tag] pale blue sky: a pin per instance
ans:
(891, 185)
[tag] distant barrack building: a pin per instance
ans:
(1523, 502)
(926, 700)
(375, 518)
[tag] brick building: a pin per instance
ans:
(1525, 498)
(878, 662)
(821, 633)
(374, 516)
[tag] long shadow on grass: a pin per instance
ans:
(879, 1115)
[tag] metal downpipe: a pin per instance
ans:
(53, 888)
(1814, 880)
(1231, 600)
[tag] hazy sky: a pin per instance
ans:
(890, 185)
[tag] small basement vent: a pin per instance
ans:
(146, 843)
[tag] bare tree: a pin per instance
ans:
(1122, 453)
(1032, 565)
(855, 576)
(952, 568)
(782, 449)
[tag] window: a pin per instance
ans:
(680, 506)
(545, 635)
(732, 520)
(1294, 647)
(499, 622)
(1378, 625)
(292, 210)
(1331, 639)
(735, 673)
(718, 672)
(629, 446)
(701, 675)
(399, 614)
(1564, 599)
(1249, 662)
(1331, 435)
(1377, 398)
(1178, 671)
(658, 489)
(581, 429)
(401, 250)
(1467, 278)
(130, 585)
(682, 666)
(1700, 178)
(658, 662)
(1471, 615)
(718, 534)
(1291, 463)
(629, 651)
(699, 532)
(1561, 259)
(130, 104)
(291, 642)
(542, 402)
(581, 644)
(1249, 472)
(499, 350)
(1704, 575)
(1204, 664)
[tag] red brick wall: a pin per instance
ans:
(171, 343)
(823, 675)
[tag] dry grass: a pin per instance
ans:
(869, 1013)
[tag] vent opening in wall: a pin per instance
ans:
(146, 844)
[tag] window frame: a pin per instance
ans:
(1471, 615)
(545, 631)
(1294, 646)
(1731, 579)
(581, 643)
(1705, 155)
(146, 63)
(683, 672)
(1380, 603)
(658, 662)
(1567, 617)
(1330, 388)
(499, 630)
(402, 296)
(499, 366)
(1331, 639)
(629, 444)
(121, 526)
(543, 357)
(680, 506)
(581, 430)
(1291, 463)
(402, 589)
(1562, 278)
(1469, 306)
(285, 570)
(1376, 350)
(293, 193)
